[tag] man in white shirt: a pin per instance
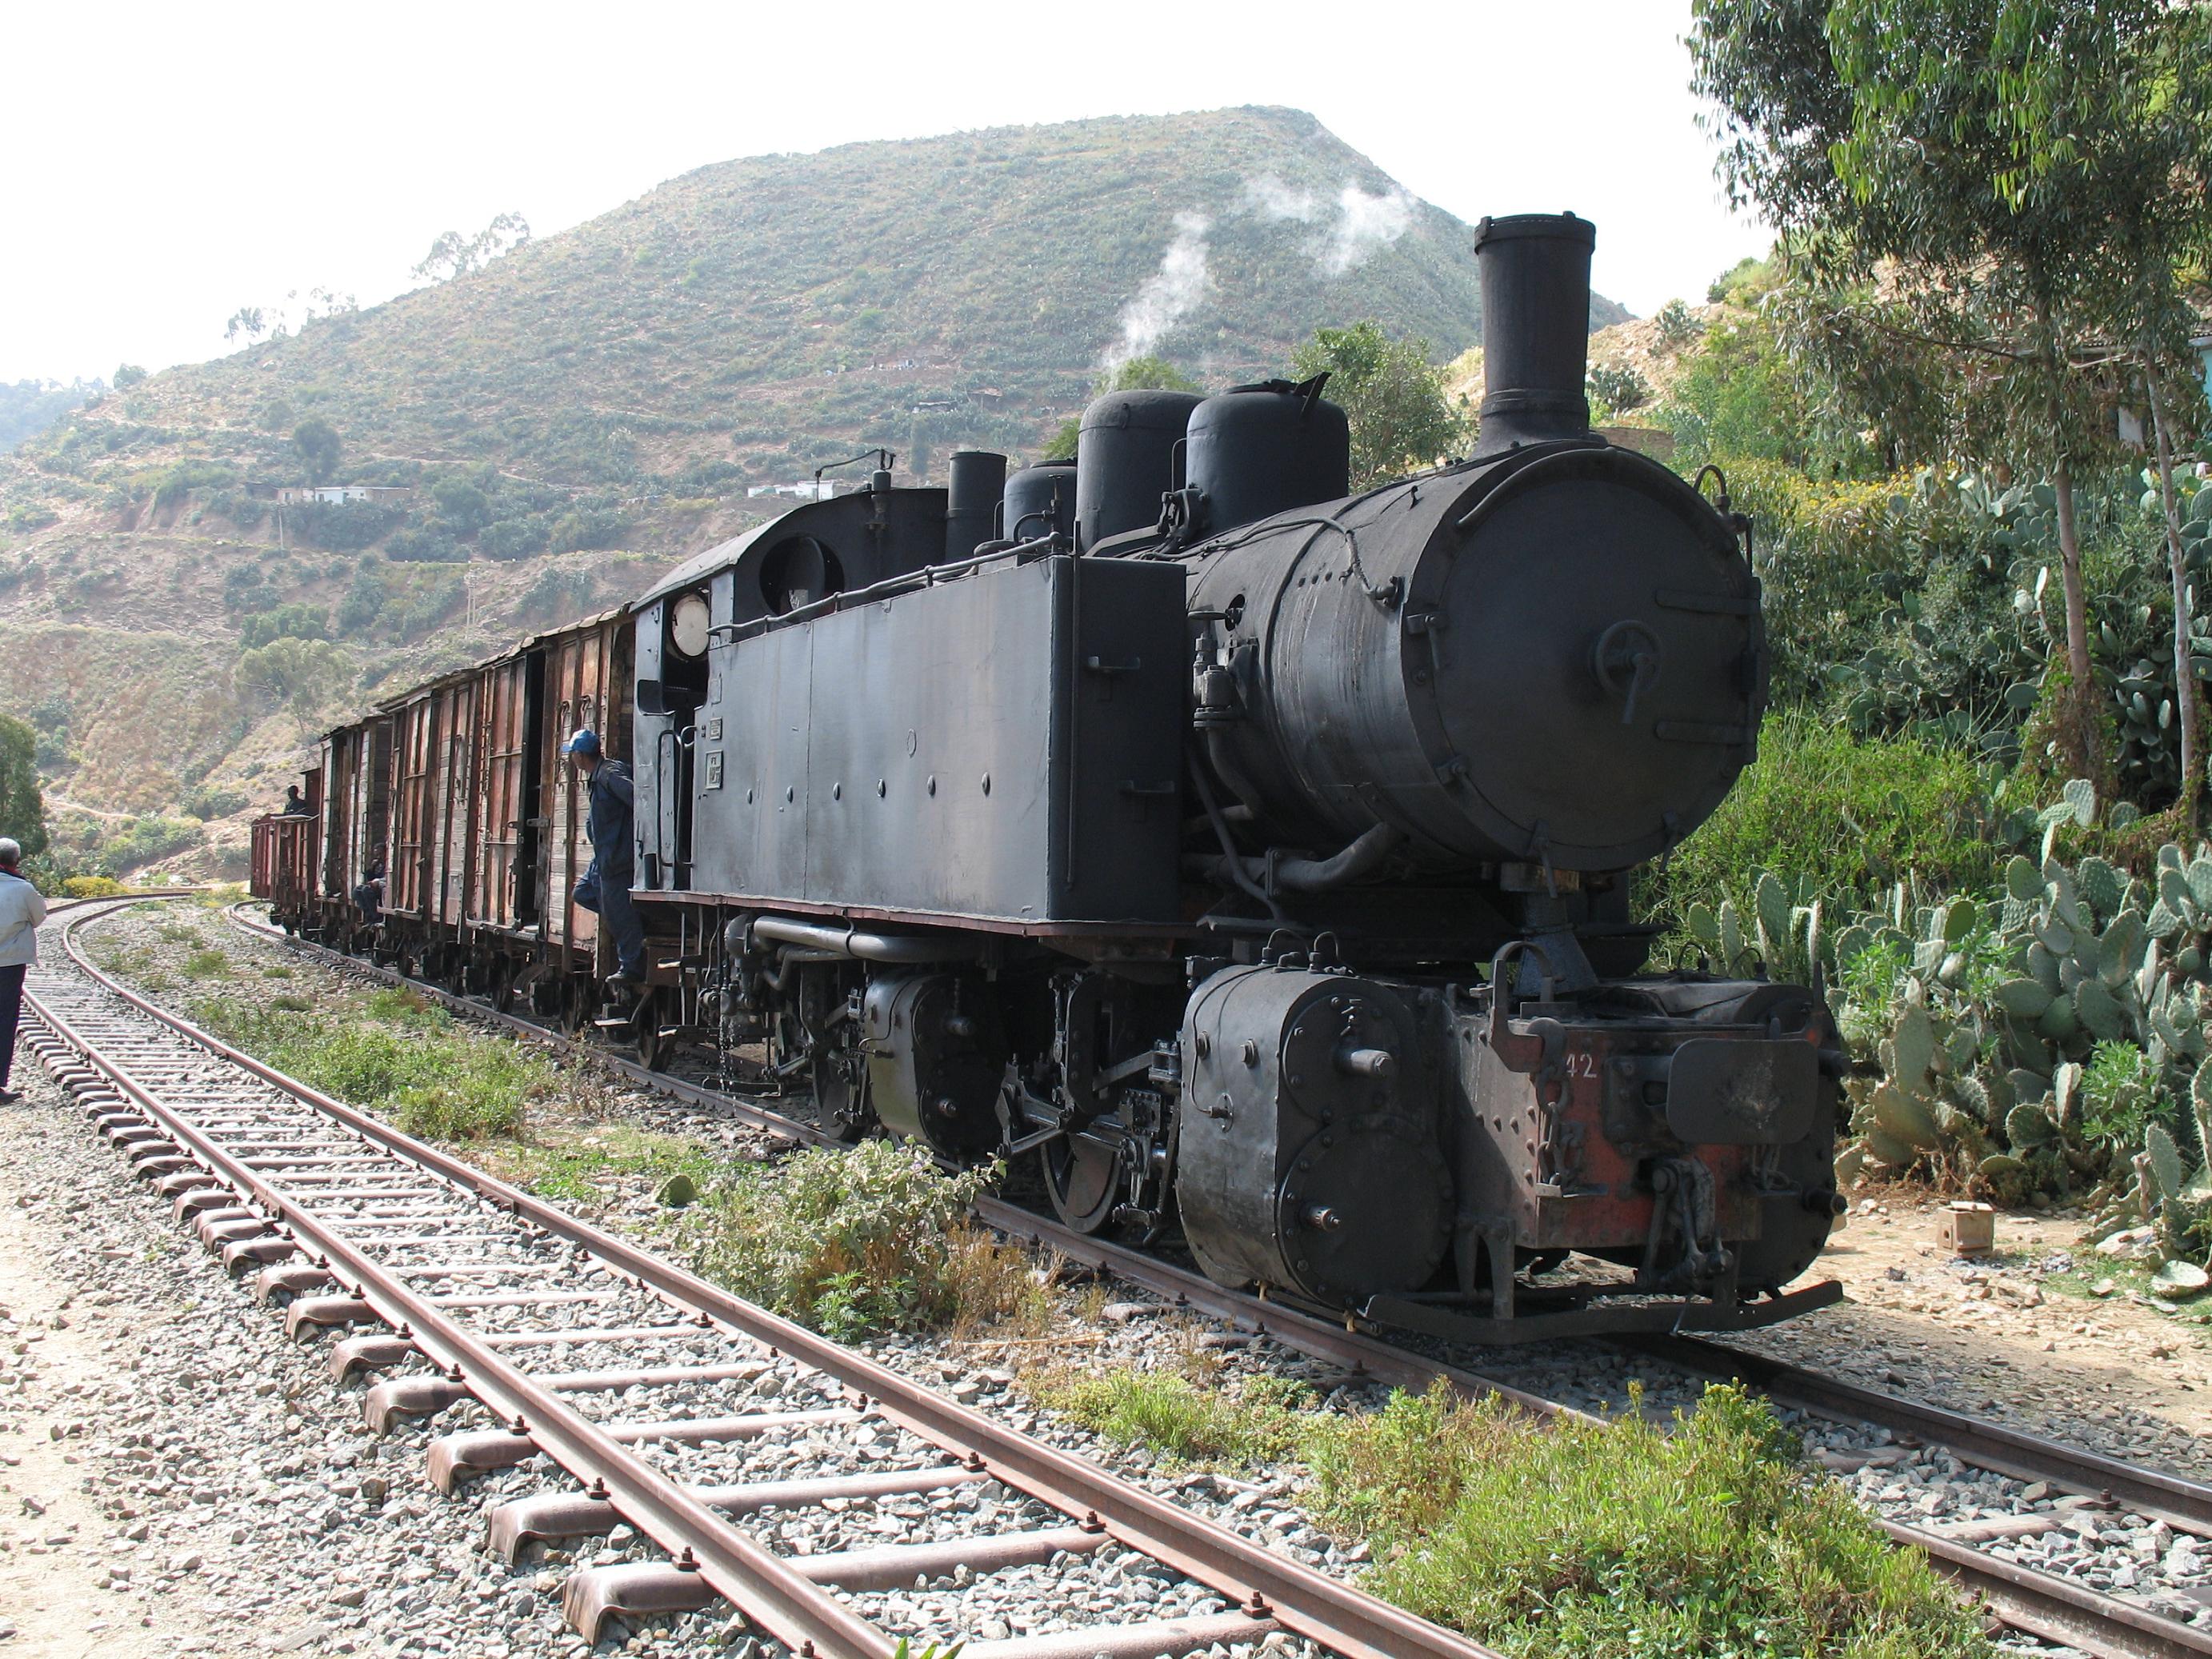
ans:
(22, 910)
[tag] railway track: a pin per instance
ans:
(466, 1289)
(2048, 1606)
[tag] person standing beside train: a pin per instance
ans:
(606, 885)
(22, 910)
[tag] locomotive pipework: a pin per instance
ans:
(1252, 856)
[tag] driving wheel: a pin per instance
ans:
(1083, 1174)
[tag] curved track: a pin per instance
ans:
(467, 1284)
(2041, 1604)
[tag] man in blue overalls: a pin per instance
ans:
(606, 885)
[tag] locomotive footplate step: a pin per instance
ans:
(1613, 1320)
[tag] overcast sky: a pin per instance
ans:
(166, 164)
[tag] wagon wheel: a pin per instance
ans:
(501, 988)
(579, 1001)
(645, 1020)
(841, 1093)
(1083, 1175)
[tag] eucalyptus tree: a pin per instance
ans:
(1970, 191)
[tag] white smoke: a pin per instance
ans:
(1364, 223)
(1168, 294)
(1359, 224)
(1271, 198)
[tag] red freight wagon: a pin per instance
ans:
(286, 849)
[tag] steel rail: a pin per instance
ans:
(2038, 1604)
(2182, 1503)
(1299, 1599)
(794, 1609)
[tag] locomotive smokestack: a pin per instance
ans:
(1535, 327)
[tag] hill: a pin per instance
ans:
(619, 386)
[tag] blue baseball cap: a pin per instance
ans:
(585, 742)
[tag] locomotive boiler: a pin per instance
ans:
(1249, 857)
(1256, 856)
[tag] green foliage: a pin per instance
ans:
(1615, 389)
(1574, 1540)
(342, 526)
(29, 408)
(304, 675)
(203, 801)
(1677, 324)
(1168, 1412)
(285, 621)
(585, 527)
(171, 484)
(1401, 420)
(127, 376)
(464, 507)
(874, 1238)
(317, 446)
(396, 1056)
(22, 807)
(1141, 373)
(1838, 816)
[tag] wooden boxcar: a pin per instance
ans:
(285, 857)
(457, 793)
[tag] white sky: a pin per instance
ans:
(162, 165)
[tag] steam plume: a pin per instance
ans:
(1168, 294)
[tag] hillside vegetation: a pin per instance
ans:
(574, 415)
(759, 316)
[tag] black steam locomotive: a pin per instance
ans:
(1253, 855)
(1249, 857)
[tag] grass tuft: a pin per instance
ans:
(1172, 1415)
(404, 1062)
(1573, 1539)
(873, 1238)
(207, 964)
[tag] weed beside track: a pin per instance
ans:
(394, 1054)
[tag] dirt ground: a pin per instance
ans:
(55, 1545)
(2022, 1332)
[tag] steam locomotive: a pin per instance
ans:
(1251, 856)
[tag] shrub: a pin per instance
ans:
(513, 538)
(204, 801)
(285, 621)
(849, 1241)
(90, 887)
(207, 964)
(584, 528)
(1570, 1539)
(1618, 388)
(1852, 814)
(425, 545)
(343, 527)
(145, 840)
